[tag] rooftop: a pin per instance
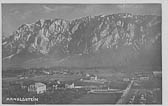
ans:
(38, 84)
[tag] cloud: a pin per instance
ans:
(47, 9)
(56, 8)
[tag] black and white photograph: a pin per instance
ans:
(81, 53)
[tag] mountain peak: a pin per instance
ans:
(87, 35)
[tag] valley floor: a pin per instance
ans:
(146, 88)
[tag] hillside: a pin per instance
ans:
(112, 40)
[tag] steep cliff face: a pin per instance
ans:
(111, 39)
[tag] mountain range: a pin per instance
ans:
(121, 39)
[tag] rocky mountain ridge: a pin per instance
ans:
(123, 33)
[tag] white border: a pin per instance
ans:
(165, 52)
(82, 1)
(164, 34)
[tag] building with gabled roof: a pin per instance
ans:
(37, 87)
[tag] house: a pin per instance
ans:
(87, 75)
(157, 73)
(46, 72)
(144, 78)
(71, 85)
(126, 79)
(37, 87)
(93, 77)
(53, 84)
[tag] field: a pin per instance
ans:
(12, 79)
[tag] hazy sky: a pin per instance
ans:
(13, 15)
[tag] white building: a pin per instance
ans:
(157, 73)
(126, 79)
(87, 75)
(70, 85)
(38, 88)
(93, 77)
(46, 72)
(144, 78)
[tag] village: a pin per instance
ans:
(64, 86)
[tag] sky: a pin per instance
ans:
(14, 15)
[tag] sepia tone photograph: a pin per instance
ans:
(58, 53)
